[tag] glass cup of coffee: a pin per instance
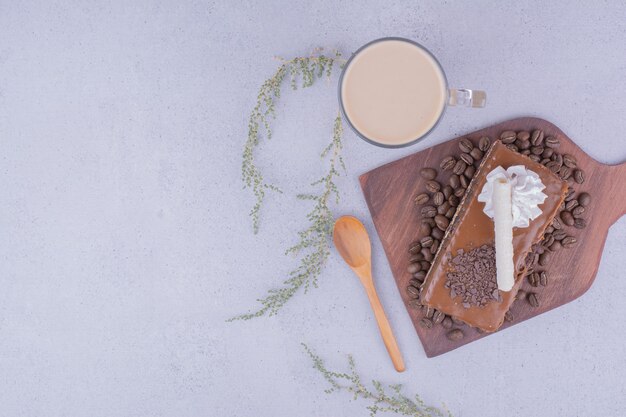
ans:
(393, 92)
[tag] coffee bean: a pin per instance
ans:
(523, 136)
(421, 199)
(450, 213)
(443, 208)
(537, 150)
(562, 206)
(521, 295)
(466, 145)
(569, 242)
(447, 163)
(508, 136)
(484, 143)
(415, 282)
(570, 194)
(555, 246)
(434, 247)
(571, 205)
(429, 211)
(577, 212)
(447, 191)
(553, 166)
(442, 222)
(459, 192)
(467, 158)
(559, 234)
(569, 160)
(429, 312)
(430, 221)
(433, 186)
(537, 137)
(454, 201)
(584, 199)
(412, 291)
(464, 181)
(545, 161)
(547, 152)
(437, 233)
(508, 316)
(446, 323)
(438, 198)
(428, 173)
(438, 317)
(454, 181)
(552, 142)
(426, 242)
(567, 218)
(525, 152)
(413, 268)
(420, 276)
(557, 157)
(580, 223)
(549, 229)
(564, 172)
(533, 279)
(512, 147)
(579, 176)
(477, 154)
(415, 304)
(534, 158)
(544, 258)
(556, 223)
(455, 335)
(459, 167)
(548, 240)
(424, 228)
(425, 265)
(457, 321)
(469, 171)
(415, 247)
(426, 323)
(543, 278)
(416, 257)
(533, 300)
(523, 145)
(427, 255)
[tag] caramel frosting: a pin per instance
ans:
(472, 228)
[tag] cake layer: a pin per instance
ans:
(466, 249)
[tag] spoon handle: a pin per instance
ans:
(385, 329)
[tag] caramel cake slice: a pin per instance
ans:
(462, 279)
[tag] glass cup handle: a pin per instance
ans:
(466, 98)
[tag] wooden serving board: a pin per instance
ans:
(389, 191)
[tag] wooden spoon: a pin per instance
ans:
(353, 243)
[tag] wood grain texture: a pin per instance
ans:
(389, 192)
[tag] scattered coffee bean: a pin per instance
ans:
(412, 291)
(543, 278)
(508, 136)
(426, 323)
(430, 221)
(438, 317)
(415, 247)
(442, 222)
(512, 147)
(438, 198)
(545, 161)
(421, 199)
(447, 191)
(548, 240)
(567, 218)
(425, 264)
(424, 228)
(569, 242)
(429, 211)
(508, 316)
(443, 208)
(446, 323)
(524, 146)
(555, 246)
(584, 199)
(454, 181)
(525, 152)
(421, 275)
(521, 295)
(466, 145)
(577, 212)
(459, 192)
(556, 223)
(415, 303)
(557, 157)
(455, 335)
(547, 152)
(427, 255)
(534, 158)
(434, 247)
(415, 282)
(447, 163)
(428, 173)
(570, 194)
(450, 213)
(533, 300)
(553, 166)
(537, 137)
(426, 242)
(569, 160)
(533, 279)
(457, 321)
(549, 229)
(467, 158)
(477, 154)
(564, 172)
(579, 176)
(429, 313)
(580, 223)
(552, 142)
(562, 206)
(523, 136)
(437, 233)
(537, 150)
(570, 205)
(484, 143)
(559, 234)
(544, 258)
(416, 258)
(454, 201)
(433, 186)
(413, 268)
(459, 167)
(464, 181)
(469, 171)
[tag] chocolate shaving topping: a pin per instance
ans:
(473, 277)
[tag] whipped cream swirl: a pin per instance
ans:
(526, 193)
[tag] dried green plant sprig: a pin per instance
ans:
(383, 399)
(315, 239)
(307, 70)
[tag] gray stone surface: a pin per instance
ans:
(125, 237)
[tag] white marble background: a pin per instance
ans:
(125, 237)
